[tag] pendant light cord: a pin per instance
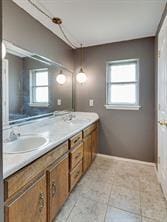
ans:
(67, 39)
(39, 9)
(59, 25)
(81, 58)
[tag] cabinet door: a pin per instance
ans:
(58, 187)
(29, 206)
(94, 143)
(87, 152)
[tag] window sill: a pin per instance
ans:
(122, 107)
(39, 104)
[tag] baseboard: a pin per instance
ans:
(126, 159)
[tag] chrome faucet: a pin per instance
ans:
(13, 135)
(69, 117)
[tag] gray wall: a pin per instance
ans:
(128, 134)
(24, 31)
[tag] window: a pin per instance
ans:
(122, 85)
(39, 92)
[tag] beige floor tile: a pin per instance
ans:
(153, 206)
(117, 215)
(126, 181)
(87, 210)
(147, 185)
(67, 208)
(98, 175)
(125, 199)
(97, 191)
(130, 189)
(147, 172)
(144, 219)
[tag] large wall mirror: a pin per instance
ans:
(31, 87)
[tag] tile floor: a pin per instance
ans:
(116, 191)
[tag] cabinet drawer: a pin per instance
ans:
(89, 129)
(76, 155)
(21, 178)
(75, 140)
(75, 175)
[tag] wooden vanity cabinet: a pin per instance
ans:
(87, 152)
(75, 175)
(30, 206)
(76, 155)
(37, 192)
(90, 140)
(76, 162)
(58, 184)
(95, 134)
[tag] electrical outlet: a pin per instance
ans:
(91, 102)
(59, 102)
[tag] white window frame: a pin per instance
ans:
(31, 86)
(122, 106)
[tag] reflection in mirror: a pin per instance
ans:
(30, 87)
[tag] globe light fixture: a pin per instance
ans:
(61, 78)
(81, 76)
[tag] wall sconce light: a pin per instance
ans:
(61, 78)
(3, 50)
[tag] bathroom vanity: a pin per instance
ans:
(37, 183)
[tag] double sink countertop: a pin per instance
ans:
(55, 129)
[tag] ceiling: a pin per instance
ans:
(94, 22)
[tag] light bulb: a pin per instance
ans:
(3, 50)
(61, 79)
(81, 76)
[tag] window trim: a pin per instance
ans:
(123, 106)
(32, 86)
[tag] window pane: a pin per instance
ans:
(41, 95)
(123, 72)
(125, 93)
(41, 78)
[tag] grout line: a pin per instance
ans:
(108, 200)
(72, 209)
(126, 211)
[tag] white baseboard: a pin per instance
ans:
(126, 159)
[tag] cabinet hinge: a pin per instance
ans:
(159, 53)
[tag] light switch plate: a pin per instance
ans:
(91, 102)
(59, 102)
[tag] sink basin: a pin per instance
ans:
(25, 143)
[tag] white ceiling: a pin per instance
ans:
(94, 22)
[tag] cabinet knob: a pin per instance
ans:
(41, 201)
(53, 189)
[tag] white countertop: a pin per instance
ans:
(55, 129)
